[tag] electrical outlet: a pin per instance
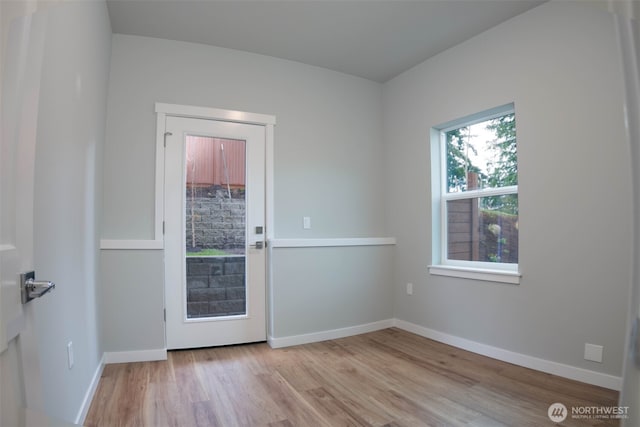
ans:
(306, 222)
(409, 288)
(593, 352)
(70, 359)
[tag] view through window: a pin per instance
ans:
(479, 198)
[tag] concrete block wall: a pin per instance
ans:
(214, 220)
(215, 286)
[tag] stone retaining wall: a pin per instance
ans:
(215, 286)
(214, 220)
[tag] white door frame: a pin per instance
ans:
(268, 121)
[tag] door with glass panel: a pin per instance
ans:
(214, 233)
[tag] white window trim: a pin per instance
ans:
(441, 266)
(487, 275)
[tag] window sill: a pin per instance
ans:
(501, 276)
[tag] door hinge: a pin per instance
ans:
(163, 228)
(164, 315)
(166, 134)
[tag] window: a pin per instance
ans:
(475, 197)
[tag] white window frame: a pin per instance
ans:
(441, 265)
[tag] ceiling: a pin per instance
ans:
(374, 39)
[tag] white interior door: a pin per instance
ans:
(21, 64)
(215, 272)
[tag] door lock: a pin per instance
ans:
(30, 288)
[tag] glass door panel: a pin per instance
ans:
(215, 226)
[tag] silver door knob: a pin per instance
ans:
(32, 288)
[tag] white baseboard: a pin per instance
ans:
(329, 335)
(88, 396)
(555, 368)
(135, 356)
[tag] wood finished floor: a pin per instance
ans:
(384, 378)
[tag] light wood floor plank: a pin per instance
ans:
(387, 378)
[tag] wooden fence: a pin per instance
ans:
(207, 158)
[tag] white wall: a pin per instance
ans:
(328, 165)
(558, 63)
(328, 132)
(324, 289)
(132, 300)
(68, 196)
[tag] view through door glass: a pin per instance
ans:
(215, 227)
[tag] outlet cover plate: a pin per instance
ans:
(593, 352)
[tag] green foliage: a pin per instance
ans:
(506, 204)
(458, 162)
(207, 252)
(499, 236)
(505, 168)
(501, 171)
(494, 217)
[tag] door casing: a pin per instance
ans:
(163, 111)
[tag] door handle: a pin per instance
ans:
(257, 245)
(30, 288)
